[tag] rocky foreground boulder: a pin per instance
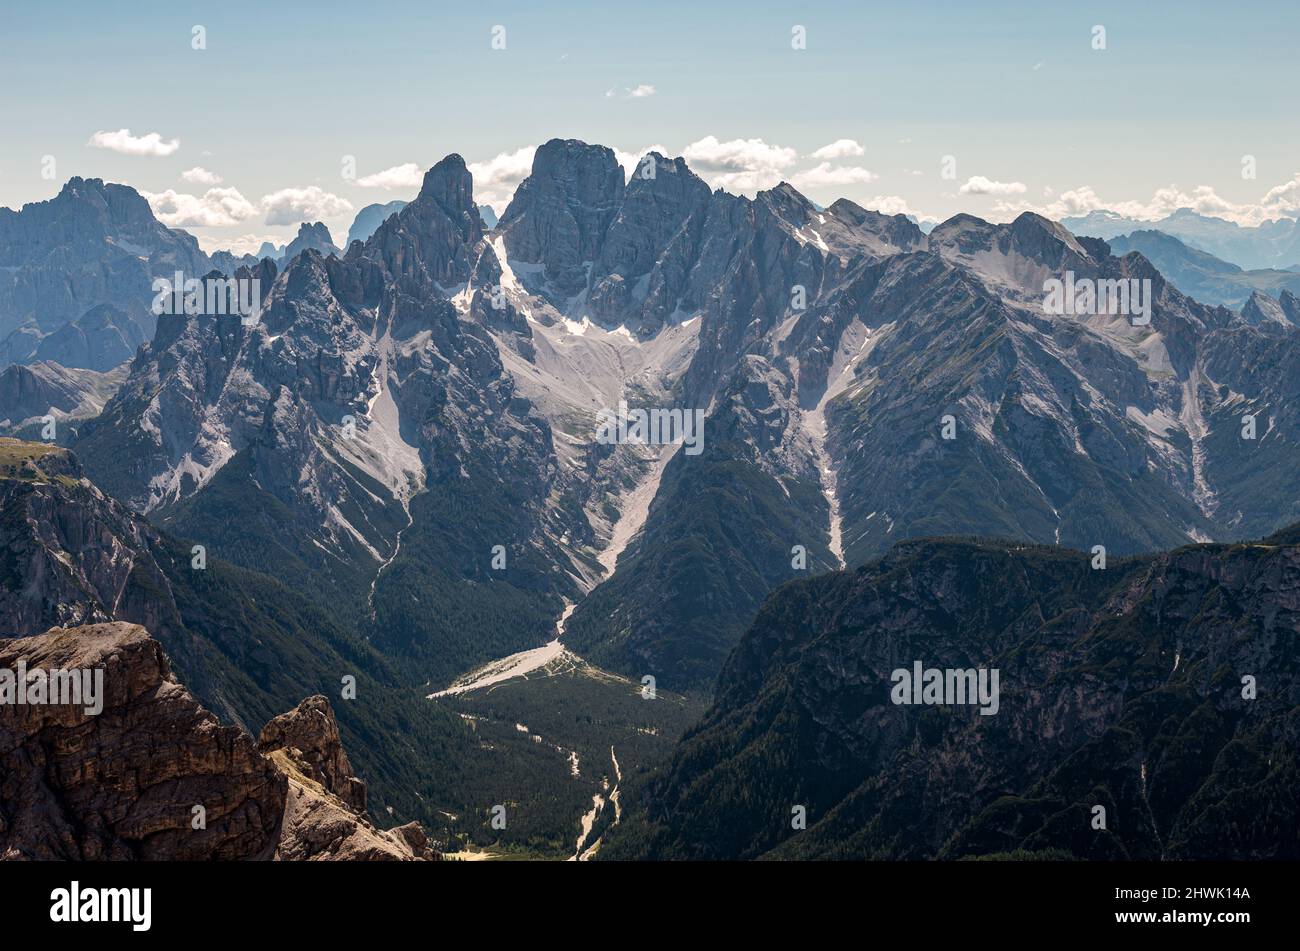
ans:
(153, 776)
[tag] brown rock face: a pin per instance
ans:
(123, 784)
(311, 734)
(325, 815)
(119, 774)
(319, 827)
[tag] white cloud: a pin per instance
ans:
(123, 141)
(739, 165)
(892, 205)
(737, 154)
(826, 174)
(399, 176)
(244, 244)
(840, 148)
(215, 208)
(496, 179)
(1165, 201)
(200, 176)
(979, 185)
(630, 160)
(643, 91)
(289, 206)
(1282, 201)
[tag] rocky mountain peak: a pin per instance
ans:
(85, 207)
(657, 173)
(787, 203)
(1014, 259)
(1034, 232)
(446, 180)
(122, 782)
(1031, 236)
(848, 226)
(661, 198)
(561, 211)
(1262, 310)
(311, 733)
(959, 224)
(450, 186)
(313, 236)
(120, 201)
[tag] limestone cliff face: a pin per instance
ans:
(154, 776)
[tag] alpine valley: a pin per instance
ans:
(384, 506)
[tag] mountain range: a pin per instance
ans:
(1273, 244)
(395, 472)
(1203, 276)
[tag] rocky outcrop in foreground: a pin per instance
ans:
(324, 815)
(154, 776)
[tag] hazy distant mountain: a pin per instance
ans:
(1201, 275)
(29, 393)
(314, 236)
(369, 218)
(102, 338)
(227, 262)
(488, 215)
(1274, 244)
(92, 244)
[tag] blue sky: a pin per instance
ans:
(1032, 115)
